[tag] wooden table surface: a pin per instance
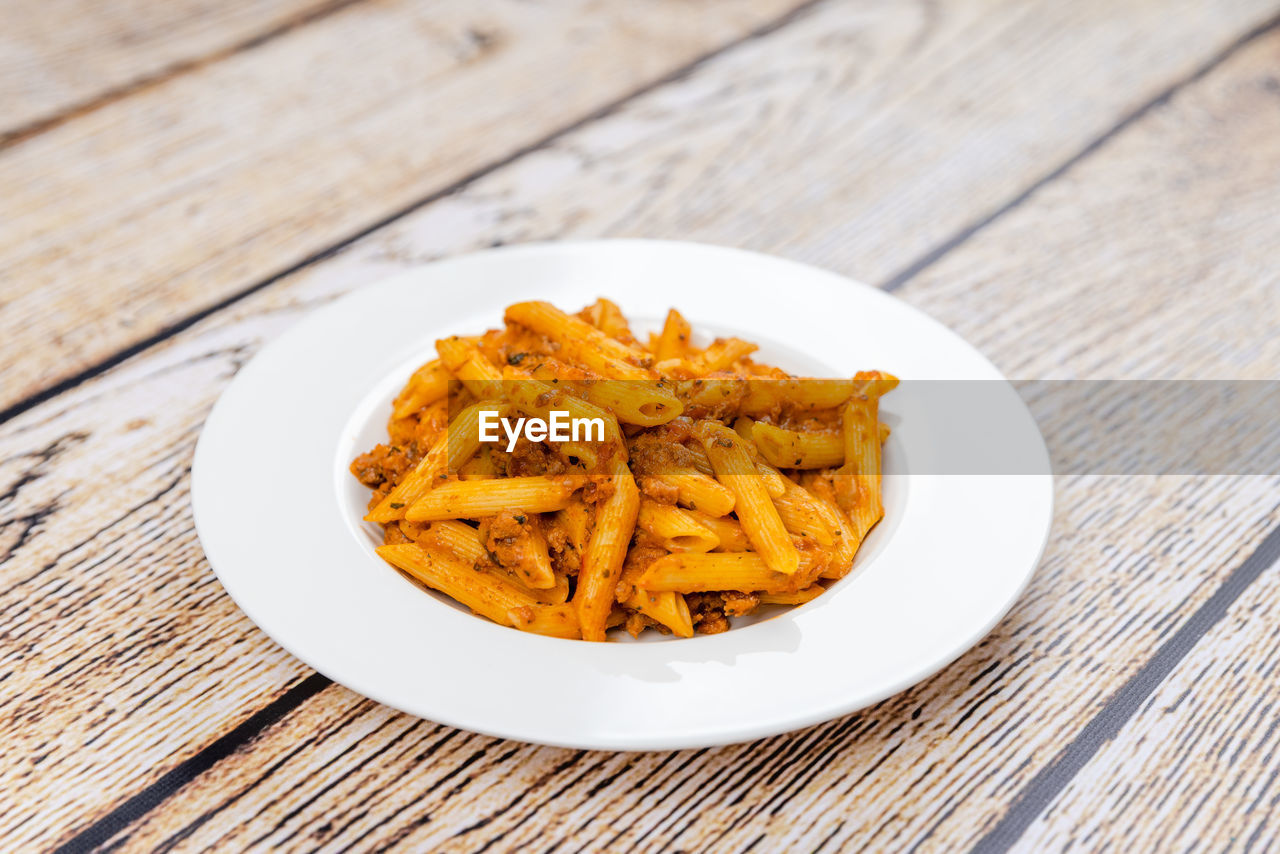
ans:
(1084, 189)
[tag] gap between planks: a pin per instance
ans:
(1046, 785)
(893, 283)
(928, 259)
(103, 365)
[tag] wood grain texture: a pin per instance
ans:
(187, 192)
(114, 596)
(1196, 187)
(814, 143)
(1200, 761)
(62, 55)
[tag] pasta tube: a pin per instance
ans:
(427, 385)
(451, 449)
(802, 515)
(581, 342)
(796, 450)
(767, 396)
(464, 359)
(667, 608)
(557, 621)
(605, 552)
(862, 464)
(756, 511)
(673, 343)
(696, 491)
(485, 594)
(467, 545)
(722, 353)
(727, 530)
(608, 318)
(632, 402)
(798, 598)
(693, 572)
(474, 499)
(539, 399)
(676, 529)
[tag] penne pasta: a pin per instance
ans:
(846, 540)
(483, 593)
(557, 621)
(701, 463)
(792, 449)
(479, 467)
(557, 594)
(667, 608)
(874, 384)
(765, 397)
(465, 360)
(462, 499)
(802, 516)
(677, 529)
(798, 598)
(467, 545)
(605, 552)
(772, 481)
(630, 401)
(727, 530)
(540, 399)
(605, 315)
(711, 571)
(427, 385)
(753, 505)
(451, 449)
(862, 464)
(581, 342)
(721, 353)
(645, 404)
(459, 539)
(673, 343)
(698, 492)
(701, 473)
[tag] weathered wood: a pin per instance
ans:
(184, 193)
(136, 597)
(1176, 218)
(63, 55)
(1200, 762)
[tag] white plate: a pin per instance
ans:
(279, 516)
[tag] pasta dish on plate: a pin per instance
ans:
(562, 476)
